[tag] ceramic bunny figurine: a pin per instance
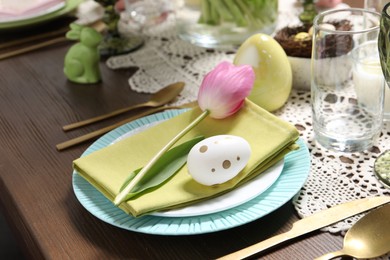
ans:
(81, 63)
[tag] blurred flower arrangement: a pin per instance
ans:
(114, 43)
(243, 13)
(225, 23)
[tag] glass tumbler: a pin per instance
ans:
(147, 13)
(347, 89)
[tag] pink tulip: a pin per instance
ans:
(225, 88)
(221, 94)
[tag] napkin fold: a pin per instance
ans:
(270, 139)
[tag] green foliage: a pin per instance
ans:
(243, 13)
(162, 170)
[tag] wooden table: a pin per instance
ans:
(36, 194)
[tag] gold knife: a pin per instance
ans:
(316, 221)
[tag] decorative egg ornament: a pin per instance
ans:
(273, 81)
(217, 159)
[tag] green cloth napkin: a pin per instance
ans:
(270, 139)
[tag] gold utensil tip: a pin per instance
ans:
(159, 98)
(316, 221)
(368, 238)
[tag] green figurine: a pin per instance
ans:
(81, 63)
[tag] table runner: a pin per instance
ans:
(334, 177)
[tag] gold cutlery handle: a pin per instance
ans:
(259, 247)
(331, 255)
(99, 132)
(102, 117)
(86, 137)
(32, 47)
(32, 38)
(157, 99)
(98, 26)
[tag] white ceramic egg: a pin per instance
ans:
(327, 26)
(218, 159)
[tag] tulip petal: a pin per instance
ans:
(225, 88)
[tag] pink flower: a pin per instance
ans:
(225, 88)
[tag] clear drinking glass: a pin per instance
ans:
(147, 13)
(347, 91)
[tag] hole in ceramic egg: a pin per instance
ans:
(226, 164)
(203, 148)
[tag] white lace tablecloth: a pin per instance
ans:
(334, 178)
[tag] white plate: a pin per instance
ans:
(226, 201)
(38, 13)
(229, 200)
(70, 5)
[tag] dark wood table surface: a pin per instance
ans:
(36, 194)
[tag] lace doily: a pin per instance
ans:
(334, 177)
(165, 58)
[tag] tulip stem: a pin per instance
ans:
(122, 195)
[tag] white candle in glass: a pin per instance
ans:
(368, 79)
(374, 5)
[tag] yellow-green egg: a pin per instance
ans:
(269, 61)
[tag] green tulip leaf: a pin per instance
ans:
(165, 167)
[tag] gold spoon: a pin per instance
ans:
(368, 238)
(158, 99)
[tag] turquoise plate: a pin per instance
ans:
(294, 174)
(70, 5)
